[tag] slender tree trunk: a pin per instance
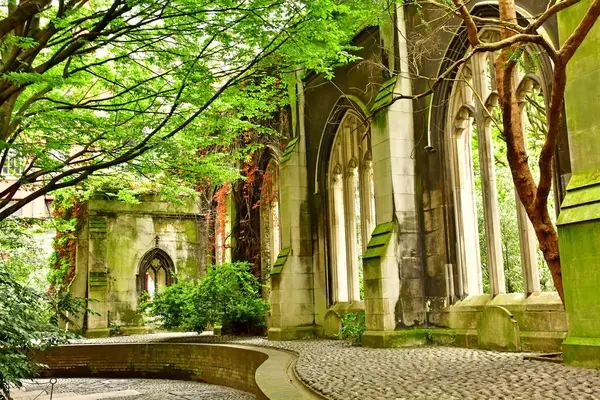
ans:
(528, 192)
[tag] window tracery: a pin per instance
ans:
(156, 272)
(493, 232)
(352, 206)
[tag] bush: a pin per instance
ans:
(25, 325)
(353, 326)
(29, 313)
(228, 295)
(170, 306)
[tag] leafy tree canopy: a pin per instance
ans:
(164, 85)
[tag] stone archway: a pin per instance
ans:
(155, 272)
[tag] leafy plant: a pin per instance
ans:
(353, 326)
(171, 307)
(228, 295)
(114, 329)
(29, 314)
(21, 254)
(24, 326)
(65, 309)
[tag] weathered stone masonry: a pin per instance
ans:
(120, 243)
(418, 285)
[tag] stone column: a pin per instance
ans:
(579, 220)
(394, 287)
(351, 247)
(528, 243)
(79, 286)
(98, 281)
(527, 238)
(493, 235)
(292, 305)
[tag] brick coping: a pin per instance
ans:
(265, 372)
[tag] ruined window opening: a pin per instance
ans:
(496, 245)
(352, 206)
(155, 272)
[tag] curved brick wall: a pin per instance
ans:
(233, 366)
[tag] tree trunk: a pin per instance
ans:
(548, 239)
(536, 208)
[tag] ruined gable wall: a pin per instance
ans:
(118, 235)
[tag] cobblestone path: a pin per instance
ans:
(148, 389)
(341, 371)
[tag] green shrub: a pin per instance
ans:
(228, 295)
(30, 315)
(25, 325)
(353, 326)
(114, 329)
(171, 305)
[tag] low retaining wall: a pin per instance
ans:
(262, 372)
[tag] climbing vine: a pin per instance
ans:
(269, 187)
(221, 234)
(255, 186)
(67, 216)
(248, 229)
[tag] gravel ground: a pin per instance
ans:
(341, 371)
(150, 389)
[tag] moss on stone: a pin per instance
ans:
(280, 262)
(379, 240)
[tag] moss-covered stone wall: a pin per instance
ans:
(579, 228)
(114, 238)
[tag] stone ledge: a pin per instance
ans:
(125, 331)
(539, 301)
(420, 337)
(547, 342)
(536, 341)
(267, 373)
(387, 339)
(582, 352)
(292, 333)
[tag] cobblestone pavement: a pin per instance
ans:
(149, 389)
(341, 371)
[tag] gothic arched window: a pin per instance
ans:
(351, 205)
(155, 272)
(496, 244)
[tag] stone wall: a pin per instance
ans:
(220, 365)
(114, 238)
(266, 373)
(579, 228)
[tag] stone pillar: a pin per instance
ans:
(382, 287)
(79, 285)
(394, 287)
(98, 280)
(528, 243)
(493, 235)
(579, 220)
(351, 250)
(527, 238)
(292, 305)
